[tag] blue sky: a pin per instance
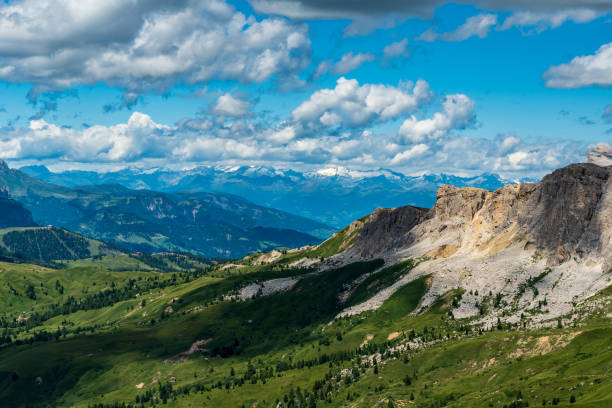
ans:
(423, 86)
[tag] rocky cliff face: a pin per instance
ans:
(565, 213)
(498, 242)
(469, 220)
(384, 230)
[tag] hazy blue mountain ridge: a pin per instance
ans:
(207, 224)
(333, 196)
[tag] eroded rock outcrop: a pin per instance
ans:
(601, 155)
(384, 230)
(559, 214)
(470, 220)
(554, 236)
(567, 214)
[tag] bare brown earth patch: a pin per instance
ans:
(501, 241)
(393, 335)
(231, 265)
(366, 340)
(542, 345)
(444, 251)
(184, 356)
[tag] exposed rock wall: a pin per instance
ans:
(569, 213)
(562, 207)
(385, 230)
(559, 230)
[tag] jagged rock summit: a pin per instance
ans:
(601, 155)
(553, 237)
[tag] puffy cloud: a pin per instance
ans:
(347, 63)
(214, 149)
(139, 137)
(506, 154)
(396, 49)
(322, 69)
(457, 113)
(284, 135)
(508, 143)
(476, 26)
(143, 45)
(352, 105)
(141, 140)
(583, 71)
(231, 106)
(518, 156)
(350, 61)
(411, 153)
(542, 20)
(330, 128)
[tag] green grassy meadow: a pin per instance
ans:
(179, 339)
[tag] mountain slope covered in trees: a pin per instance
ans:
(207, 224)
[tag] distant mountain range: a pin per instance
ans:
(206, 224)
(332, 196)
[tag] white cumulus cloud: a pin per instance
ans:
(351, 61)
(476, 26)
(411, 153)
(232, 106)
(583, 71)
(542, 20)
(396, 49)
(353, 105)
(457, 113)
(146, 45)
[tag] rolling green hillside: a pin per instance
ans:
(182, 340)
(50, 243)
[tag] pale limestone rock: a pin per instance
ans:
(494, 242)
(601, 155)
